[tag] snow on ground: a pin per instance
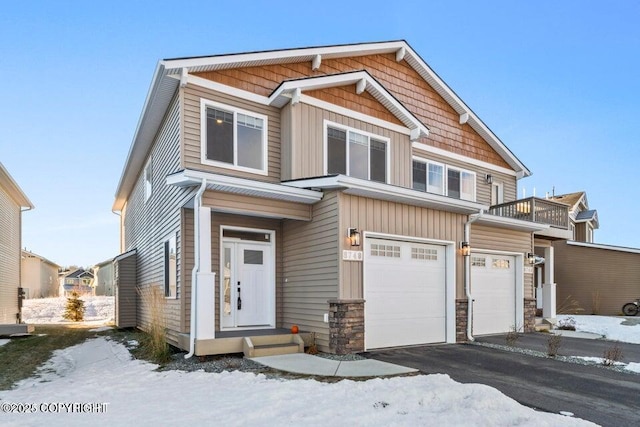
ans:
(3, 342)
(633, 367)
(102, 371)
(624, 329)
(98, 310)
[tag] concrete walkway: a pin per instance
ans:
(306, 364)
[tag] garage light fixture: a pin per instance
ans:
(488, 178)
(465, 248)
(531, 257)
(354, 236)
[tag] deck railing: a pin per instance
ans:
(534, 209)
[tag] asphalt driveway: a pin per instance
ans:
(597, 394)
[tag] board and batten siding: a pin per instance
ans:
(311, 269)
(503, 239)
(217, 220)
(305, 150)
(10, 224)
(483, 190)
(192, 158)
(149, 223)
(600, 280)
(379, 216)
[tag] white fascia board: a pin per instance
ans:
(510, 223)
(14, 190)
(606, 247)
(376, 190)
(188, 178)
(459, 157)
(289, 55)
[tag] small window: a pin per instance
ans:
(501, 263)
(356, 154)
(253, 257)
(428, 176)
(234, 138)
(148, 180)
(170, 268)
(460, 184)
(389, 251)
(477, 261)
(426, 254)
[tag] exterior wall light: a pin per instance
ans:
(354, 236)
(531, 258)
(488, 178)
(465, 248)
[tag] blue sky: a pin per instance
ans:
(556, 81)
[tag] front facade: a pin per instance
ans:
(39, 276)
(12, 203)
(342, 189)
(80, 281)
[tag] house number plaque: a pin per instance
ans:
(352, 255)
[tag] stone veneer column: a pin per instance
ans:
(346, 326)
(529, 315)
(461, 320)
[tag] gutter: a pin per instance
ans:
(467, 273)
(196, 266)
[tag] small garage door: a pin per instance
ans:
(493, 287)
(404, 291)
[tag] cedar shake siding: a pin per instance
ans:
(379, 216)
(600, 280)
(399, 78)
(148, 224)
(10, 223)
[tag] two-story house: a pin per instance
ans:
(343, 189)
(13, 202)
(39, 276)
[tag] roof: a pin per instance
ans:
(78, 274)
(571, 199)
(43, 259)
(170, 73)
(14, 190)
(587, 215)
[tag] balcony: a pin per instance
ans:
(541, 211)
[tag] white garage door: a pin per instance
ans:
(404, 291)
(493, 287)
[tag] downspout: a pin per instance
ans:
(467, 273)
(196, 266)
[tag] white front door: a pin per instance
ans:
(248, 285)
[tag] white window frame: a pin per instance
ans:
(204, 104)
(148, 180)
(461, 171)
(443, 182)
(369, 135)
(166, 285)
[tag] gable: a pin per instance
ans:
(399, 78)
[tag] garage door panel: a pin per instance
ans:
(493, 286)
(404, 293)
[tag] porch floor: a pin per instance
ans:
(252, 333)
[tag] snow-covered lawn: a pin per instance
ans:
(624, 329)
(102, 371)
(98, 310)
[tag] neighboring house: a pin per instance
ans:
(13, 202)
(344, 189)
(79, 281)
(39, 276)
(104, 278)
(599, 278)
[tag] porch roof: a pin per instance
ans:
(511, 223)
(247, 187)
(380, 191)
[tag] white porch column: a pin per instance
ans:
(539, 294)
(549, 286)
(205, 299)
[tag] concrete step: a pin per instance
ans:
(543, 324)
(272, 345)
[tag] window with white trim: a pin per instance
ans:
(148, 180)
(170, 267)
(355, 153)
(234, 138)
(442, 179)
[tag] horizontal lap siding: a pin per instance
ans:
(307, 143)
(10, 223)
(502, 239)
(483, 190)
(127, 298)
(148, 224)
(402, 81)
(192, 143)
(311, 269)
(369, 215)
(591, 274)
(236, 203)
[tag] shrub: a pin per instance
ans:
(568, 324)
(553, 344)
(611, 355)
(75, 308)
(512, 336)
(569, 306)
(155, 342)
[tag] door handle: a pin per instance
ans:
(239, 305)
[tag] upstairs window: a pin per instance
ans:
(148, 180)
(449, 181)
(357, 154)
(170, 267)
(234, 138)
